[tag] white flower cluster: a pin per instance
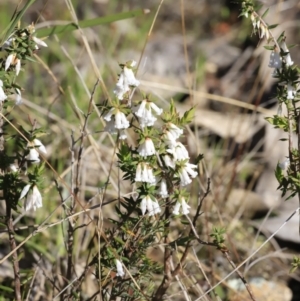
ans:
(259, 26)
(145, 111)
(279, 56)
(13, 59)
(126, 80)
(30, 191)
(175, 156)
(276, 60)
(118, 123)
(144, 173)
(151, 205)
(116, 119)
(181, 203)
(178, 153)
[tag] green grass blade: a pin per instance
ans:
(58, 29)
(14, 21)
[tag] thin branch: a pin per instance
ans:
(167, 261)
(226, 253)
(13, 247)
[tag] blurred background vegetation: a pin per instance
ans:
(213, 54)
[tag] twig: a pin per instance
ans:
(226, 253)
(193, 231)
(167, 261)
(250, 256)
(75, 188)
(13, 247)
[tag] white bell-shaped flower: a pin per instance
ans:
(175, 130)
(169, 162)
(33, 197)
(144, 173)
(186, 172)
(181, 203)
(146, 148)
(126, 80)
(33, 156)
(39, 42)
(290, 92)
(145, 113)
(152, 206)
(163, 189)
(179, 152)
(38, 144)
(12, 59)
(287, 57)
(120, 120)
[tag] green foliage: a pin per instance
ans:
(14, 21)
(218, 237)
(295, 264)
(60, 29)
(11, 185)
(279, 122)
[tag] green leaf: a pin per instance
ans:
(272, 26)
(269, 47)
(188, 116)
(278, 173)
(58, 29)
(14, 21)
(199, 158)
(6, 288)
(184, 222)
(265, 13)
(281, 37)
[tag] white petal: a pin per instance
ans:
(156, 109)
(18, 66)
(156, 207)
(18, 97)
(150, 206)
(143, 205)
(184, 177)
(108, 115)
(163, 191)
(37, 198)
(169, 162)
(147, 148)
(138, 174)
(176, 208)
(39, 42)
(185, 207)
(40, 146)
(141, 109)
(129, 77)
(33, 156)
(24, 191)
(9, 61)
